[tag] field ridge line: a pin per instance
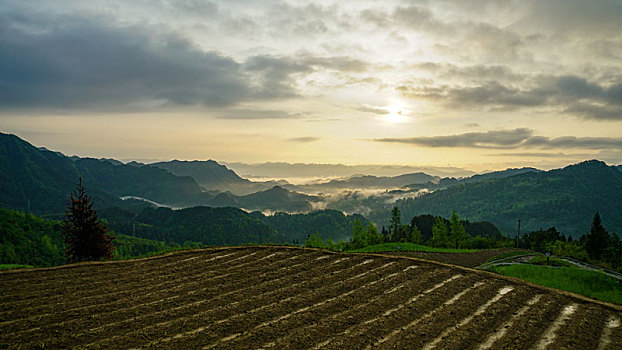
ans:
(148, 287)
(427, 315)
(605, 338)
(549, 335)
(179, 307)
(153, 274)
(249, 311)
(504, 328)
(358, 306)
(309, 307)
(500, 294)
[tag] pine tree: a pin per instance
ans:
(86, 236)
(385, 234)
(396, 223)
(373, 237)
(597, 240)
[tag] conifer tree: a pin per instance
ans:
(396, 223)
(597, 240)
(373, 237)
(86, 236)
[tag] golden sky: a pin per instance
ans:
(467, 83)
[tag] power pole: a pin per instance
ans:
(518, 234)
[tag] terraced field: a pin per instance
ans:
(277, 297)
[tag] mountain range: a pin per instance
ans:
(39, 181)
(566, 198)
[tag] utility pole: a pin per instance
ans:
(28, 211)
(518, 234)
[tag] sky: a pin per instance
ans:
(461, 83)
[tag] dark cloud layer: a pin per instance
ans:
(73, 62)
(510, 139)
(83, 63)
(571, 94)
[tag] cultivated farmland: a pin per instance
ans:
(279, 297)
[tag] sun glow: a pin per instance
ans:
(396, 114)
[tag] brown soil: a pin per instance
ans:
(277, 297)
(461, 259)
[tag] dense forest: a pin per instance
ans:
(566, 198)
(229, 226)
(431, 231)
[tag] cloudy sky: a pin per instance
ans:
(469, 83)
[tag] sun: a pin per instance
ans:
(397, 113)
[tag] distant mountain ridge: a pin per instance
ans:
(213, 176)
(371, 182)
(38, 180)
(566, 198)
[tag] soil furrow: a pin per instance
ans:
(111, 269)
(104, 279)
(429, 328)
(527, 329)
(606, 340)
(469, 334)
(583, 330)
(307, 334)
(75, 302)
(387, 317)
(500, 332)
(267, 332)
(206, 293)
(551, 333)
(211, 332)
(211, 313)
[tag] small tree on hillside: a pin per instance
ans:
(359, 235)
(86, 236)
(439, 233)
(416, 234)
(457, 234)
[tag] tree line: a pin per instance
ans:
(598, 246)
(424, 229)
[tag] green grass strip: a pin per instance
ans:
(14, 266)
(593, 284)
(395, 246)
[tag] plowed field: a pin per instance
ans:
(292, 298)
(463, 259)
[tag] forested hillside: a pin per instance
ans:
(230, 226)
(30, 240)
(330, 224)
(565, 198)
